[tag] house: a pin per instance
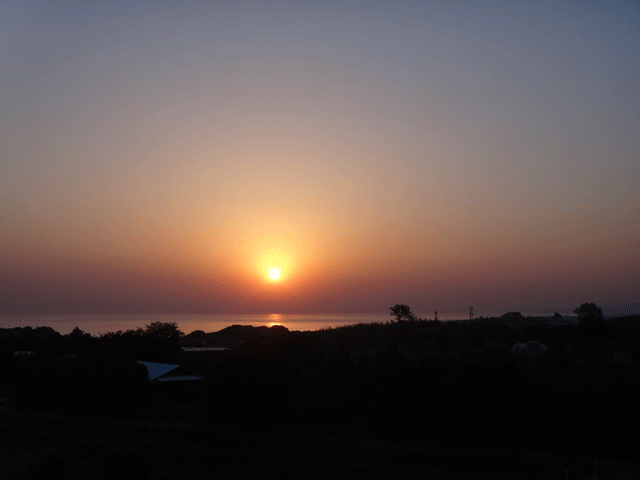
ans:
(530, 349)
(165, 372)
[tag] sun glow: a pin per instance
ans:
(274, 265)
(274, 273)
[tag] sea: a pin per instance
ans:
(97, 324)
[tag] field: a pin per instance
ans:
(411, 400)
(86, 448)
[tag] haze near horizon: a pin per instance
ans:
(344, 157)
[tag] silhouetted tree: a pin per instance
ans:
(163, 330)
(588, 309)
(80, 342)
(157, 342)
(402, 312)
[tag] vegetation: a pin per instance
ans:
(81, 373)
(588, 309)
(444, 383)
(402, 312)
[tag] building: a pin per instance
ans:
(532, 350)
(165, 372)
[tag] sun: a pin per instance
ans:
(274, 265)
(274, 273)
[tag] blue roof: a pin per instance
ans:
(157, 370)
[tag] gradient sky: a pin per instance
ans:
(160, 156)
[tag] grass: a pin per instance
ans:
(206, 452)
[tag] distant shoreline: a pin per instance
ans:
(96, 324)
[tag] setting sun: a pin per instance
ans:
(274, 273)
(274, 264)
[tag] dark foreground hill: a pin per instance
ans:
(454, 391)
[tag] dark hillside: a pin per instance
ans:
(455, 384)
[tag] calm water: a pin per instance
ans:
(97, 324)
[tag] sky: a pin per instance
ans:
(164, 156)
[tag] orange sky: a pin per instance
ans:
(160, 159)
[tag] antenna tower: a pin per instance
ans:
(471, 313)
